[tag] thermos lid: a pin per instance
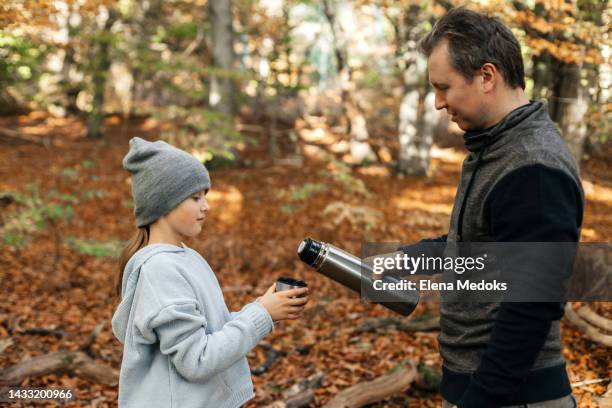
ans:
(309, 250)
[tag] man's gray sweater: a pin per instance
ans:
(520, 162)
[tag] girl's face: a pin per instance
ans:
(186, 219)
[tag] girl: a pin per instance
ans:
(182, 347)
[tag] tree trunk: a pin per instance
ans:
(360, 149)
(221, 85)
(540, 74)
(417, 116)
(541, 70)
(416, 120)
(8, 103)
(568, 102)
(71, 90)
(101, 64)
(568, 108)
(147, 20)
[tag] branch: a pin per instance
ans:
(605, 400)
(194, 44)
(35, 331)
(300, 394)
(14, 135)
(590, 316)
(5, 343)
(589, 331)
(589, 382)
(271, 357)
(446, 4)
(550, 36)
(86, 347)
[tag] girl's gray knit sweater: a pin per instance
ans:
(182, 347)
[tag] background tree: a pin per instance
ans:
(417, 116)
(565, 40)
(100, 63)
(198, 66)
(310, 78)
(223, 57)
(360, 149)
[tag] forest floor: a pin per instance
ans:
(259, 213)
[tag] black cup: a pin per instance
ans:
(288, 283)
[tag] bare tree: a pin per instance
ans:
(360, 148)
(569, 106)
(101, 64)
(221, 84)
(417, 116)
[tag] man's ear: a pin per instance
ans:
(489, 76)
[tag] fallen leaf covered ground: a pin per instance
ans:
(259, 213)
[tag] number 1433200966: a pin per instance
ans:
(37, 394)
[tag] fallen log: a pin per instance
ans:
(372, 391)
(79, 363)
(411, 325)
(72, 362)
(301, 394)
(37, 331)
(14, 135)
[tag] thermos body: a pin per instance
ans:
(349, 271)
(340, 266)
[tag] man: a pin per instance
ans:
(518, 184)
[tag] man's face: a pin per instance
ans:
(462, 99)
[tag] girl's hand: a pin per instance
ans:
(281, 306)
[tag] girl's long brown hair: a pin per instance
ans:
(138, 240)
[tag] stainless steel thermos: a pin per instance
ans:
(349, 271)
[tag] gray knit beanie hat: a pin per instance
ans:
(162, 177)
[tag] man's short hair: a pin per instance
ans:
(475, 39)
